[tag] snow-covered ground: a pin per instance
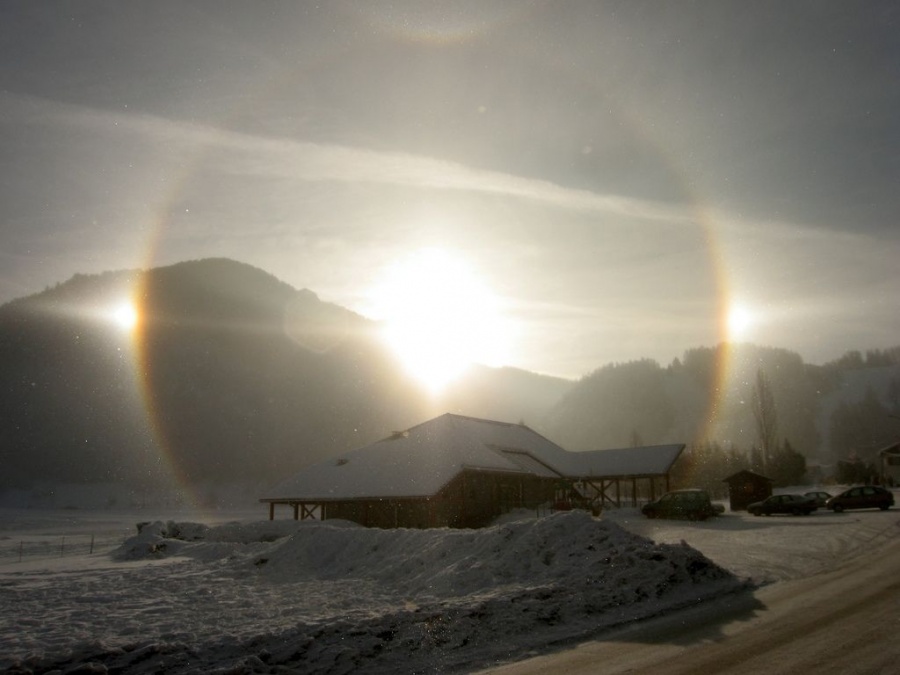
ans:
(196, 594)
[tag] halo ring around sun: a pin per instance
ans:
(168, 200)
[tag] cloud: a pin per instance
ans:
(250, 155)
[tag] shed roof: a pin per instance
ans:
(744, 474)
(420, 461)
(892, 449)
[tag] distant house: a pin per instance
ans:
(455, 471)
(890, 464)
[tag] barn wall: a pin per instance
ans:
(472, 499)
(352, 511)
(385, 513)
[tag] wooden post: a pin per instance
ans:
(463, 504)
(296, 510)
(271, 510)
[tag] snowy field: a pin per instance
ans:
(233, 594)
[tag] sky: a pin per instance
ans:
(617, 178)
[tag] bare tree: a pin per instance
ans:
(763, 403)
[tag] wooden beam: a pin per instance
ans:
(601, 491)
(465, 511)
(271, 510)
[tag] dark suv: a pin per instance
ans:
(689, 504)
(862, 497)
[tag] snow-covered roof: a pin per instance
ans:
(420, 461)
(651, 460)
(743, 474)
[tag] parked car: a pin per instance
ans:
(689, 504)
(790, 504)
(819, 496)
(862, 497)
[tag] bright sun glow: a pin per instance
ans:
(740, 321)
(125, 316)
(439, 317)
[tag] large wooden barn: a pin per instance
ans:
(455, 471)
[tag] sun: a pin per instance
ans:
(439, 317)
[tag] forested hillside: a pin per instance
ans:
(844, 410)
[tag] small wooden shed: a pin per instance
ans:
(746, 487)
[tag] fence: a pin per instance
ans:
(14, 550)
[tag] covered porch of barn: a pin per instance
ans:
(598, 479)
(594, 493)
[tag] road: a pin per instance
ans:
(843, 620)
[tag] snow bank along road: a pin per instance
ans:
(836, 609)
(280, 596)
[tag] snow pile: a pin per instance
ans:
(564, 549)
(336, 597)
(160, 539)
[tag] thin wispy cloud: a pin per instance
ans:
(253, 155)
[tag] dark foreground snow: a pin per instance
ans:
(311, 597)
